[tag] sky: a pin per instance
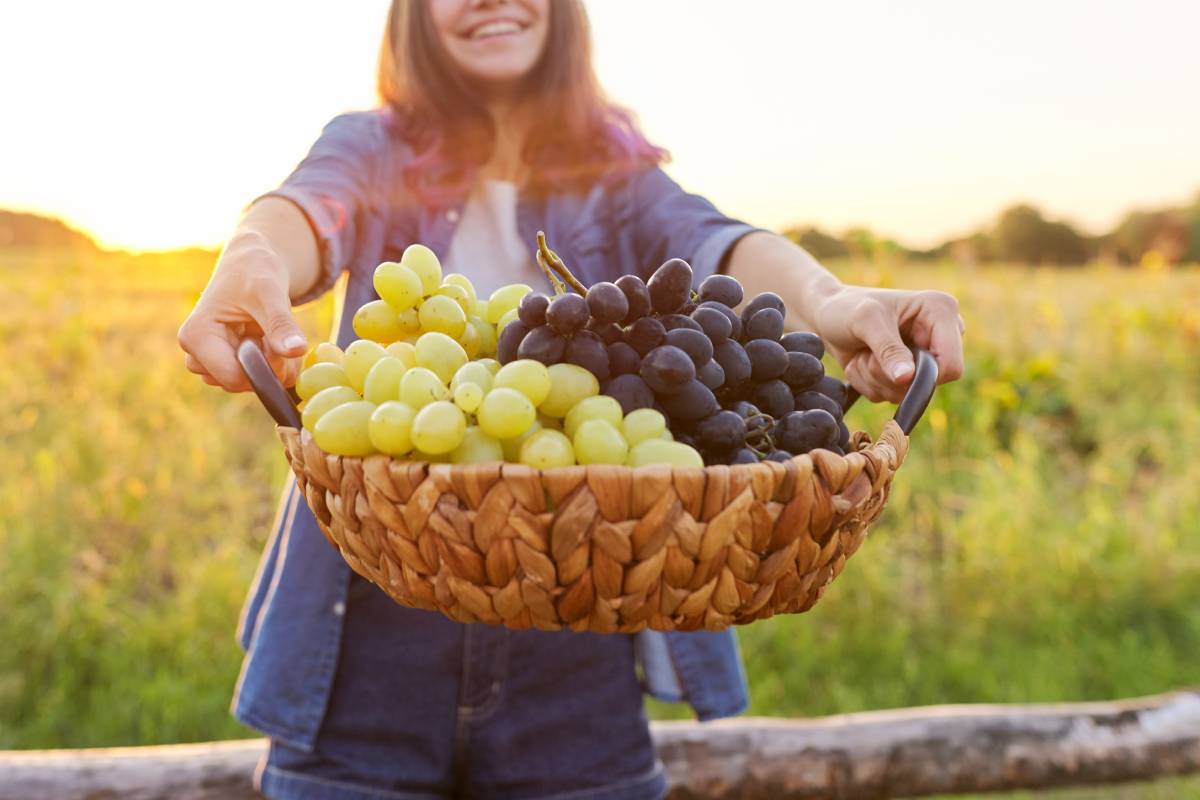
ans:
(151, 124)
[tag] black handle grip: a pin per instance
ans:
(916, 399)
(279, 402)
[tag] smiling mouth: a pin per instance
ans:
(491, 30)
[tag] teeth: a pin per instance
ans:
(495, 29)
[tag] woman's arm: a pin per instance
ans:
(864, 328)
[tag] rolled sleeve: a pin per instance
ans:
(335, 187)
(672, 223)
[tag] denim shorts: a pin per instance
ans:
(424, 707)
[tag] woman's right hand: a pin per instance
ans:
(247, 296)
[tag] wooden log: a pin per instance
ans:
(880, 754)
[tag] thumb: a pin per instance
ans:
(880, 333)
(280, 331)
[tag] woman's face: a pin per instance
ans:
(494, 42)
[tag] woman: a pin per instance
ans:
(492, 127)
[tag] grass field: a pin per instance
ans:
(1042, 542)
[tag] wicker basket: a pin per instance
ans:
(598, 548)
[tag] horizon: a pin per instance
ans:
(919, 126)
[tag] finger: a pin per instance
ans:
(192, 364)
(209, 379)
(946, 345)
(878, 330)
(216, 357)
(888, 389)
(861, 377)
(281, 334)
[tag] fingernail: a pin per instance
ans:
(898, 370)
(293, 341)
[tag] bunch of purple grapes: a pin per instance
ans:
(734, 386)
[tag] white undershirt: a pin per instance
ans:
(486, 246)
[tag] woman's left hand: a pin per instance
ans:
(865, 329)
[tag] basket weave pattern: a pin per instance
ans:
(600, 548)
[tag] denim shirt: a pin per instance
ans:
(351, 190)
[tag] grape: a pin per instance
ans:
(505, 413)
(598, 406)
(398, 285)
(546, 449)
(642, 424)
(637, 295)
(458, 279)
(711, 375)
(722, 289)
(666, 436)
(568, 385)
(438, 428)
(509, 342)
(587, 350)
(532, 309)
(598, 441)
(773, 397)
(475, 372)
(477, 448)
(320, 376)
(509, 316)
(766, 323)
(744, 409)
(529, 377)
(782, 456)
(410, 321)
(802, 431)
(644, 335)
(843, 436)
(458, 294)
(767, 359)
(441, 314)
(383, 380)
(764, 300)
(390, 427)
(421, 260)
(694, 401)
(493, 366)
(623, 359)
(657, 451)
(630, 391)
(328, 353)
(405, 351)
(342, 430)
(803, 342)
(505, 299)
(468, 396)
(672, 322)
(693, 342)
(419, 387)
(567, 313)
(735, 322)
(486, 334)
(481, 310)
(667, 369)
(361, 355)
(322, 401)
(609, 332)
(606, 302)
(744, 455)
(811, 399)
(834, 389)
(721, 432)
(440, 354)
(687, 308)
(734, 361)
(512, 446)
(542, 344)
(802, 371)
(670, 286)
(716, 326)
(378, 322)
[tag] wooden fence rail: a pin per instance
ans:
(882, 754)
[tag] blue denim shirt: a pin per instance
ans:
(350, 188)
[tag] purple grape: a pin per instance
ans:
(843, 436)
(774, 398)
(608, 331)
(667, 369)
(735, 322)
(694, 401)
(764, 300)
(631, 392)
(676, 321)
(567, 313)
(645, 335)
(734, 361)
(766, 323)
(803, 342)
(721, 432)
(588, 350)
(744, 455)
(711, 375)
(684, 438)
(803, 431)
(715, 325)
(542, 344)
(637, 295)
(803, 371)
(623, 359)
(510, 340)
(670, 286)
(721, 288)
(768, 359)
(693, 342)
(834, 389)
(532, 309)
(744, 409)
(806, 401)
(606, 302)
(781, 456)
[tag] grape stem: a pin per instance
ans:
(559, 287)
(555, 263)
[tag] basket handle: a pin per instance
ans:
(280, 402)
(916, 399)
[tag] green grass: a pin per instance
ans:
(1042, 542)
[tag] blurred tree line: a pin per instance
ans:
(1022, 234)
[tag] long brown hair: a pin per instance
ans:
(581, 136)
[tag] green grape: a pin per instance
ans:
(378, 322)
(328, 353)
(316, 406)
(440, 354)
(468, 396)
(598, 441)
(405, 351)
(458, 279)
(642, 424)
(419, 387)
(481, 309)
(568, 385)
(546, 449)
(599, 406)
(492, 364)
(398, 285)
(361, 355)
(505, 413)
(512, 447)
(438, 427)
(320, 375)
(433, 458)
(505, 299)
(470, 340)
(508, 317)
(421, 260)
(487, 335)
(441, 314)
(667, 436)
(342, 430)
(477, 448)
(657, 451)
(475, 372)
(410, 321)
(458, 294)
(529, 377)
(383, 380)
(390, 427)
